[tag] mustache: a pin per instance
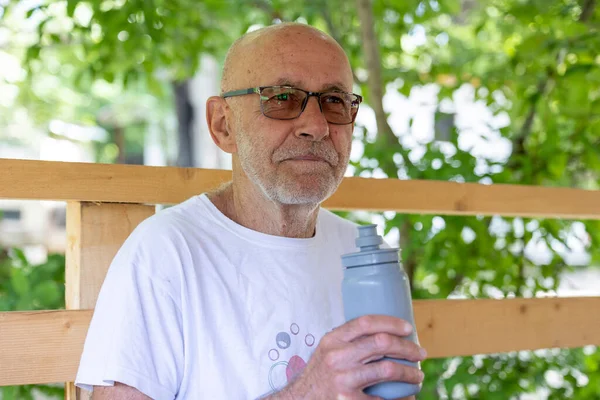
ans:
(321, 150)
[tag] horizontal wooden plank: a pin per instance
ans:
(42, 347)
(45, 180)
(484, 326)
(111, 183)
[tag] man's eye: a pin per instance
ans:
(334, 99)
(282, 97)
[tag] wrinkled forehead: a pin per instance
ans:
(299, 58)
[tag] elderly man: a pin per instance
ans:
(236, 294)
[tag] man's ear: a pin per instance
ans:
(219, 128)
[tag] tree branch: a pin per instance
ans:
(587, 10)
(266, 7)
(385, 135)
(528, 124)
(466, 6)
(335, 34)
(373, 64)
(519, 142)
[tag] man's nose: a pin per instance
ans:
(312, 124)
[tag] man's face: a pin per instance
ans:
(303, 160)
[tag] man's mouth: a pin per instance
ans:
(307, 158)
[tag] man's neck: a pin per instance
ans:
(254, 211)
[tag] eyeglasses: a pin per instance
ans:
(286, 102)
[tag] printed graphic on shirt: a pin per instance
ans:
(286, 364)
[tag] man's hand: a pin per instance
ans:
(339, 368)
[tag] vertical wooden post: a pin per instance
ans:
(95, 232)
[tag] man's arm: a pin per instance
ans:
(118, 392)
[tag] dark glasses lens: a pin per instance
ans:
(339, 108)
(280, 102)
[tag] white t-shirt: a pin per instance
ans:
(195, 306)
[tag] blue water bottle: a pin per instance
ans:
(375, 283)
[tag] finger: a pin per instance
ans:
(360, 396)
(381, 371)
(374, 347)
(371, 324)
(379, 345)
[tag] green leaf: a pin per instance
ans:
(19, 282)
(31, 11)
(33, 52)
(46, 294)
(557, 165)
(20, 255)
(24, 303)
(9, 392)
(451, 6)
(71, 5)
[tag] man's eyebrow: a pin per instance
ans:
(287, 82)
(333, 86)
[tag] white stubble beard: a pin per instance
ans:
(277, 188)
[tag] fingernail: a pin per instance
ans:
(408, 329)
(423, 352)
(421, 375)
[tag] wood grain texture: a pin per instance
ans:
(112, 183)
(26, 179)
(467, 327)
(42, 347)
(95, 232)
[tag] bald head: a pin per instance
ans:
(251, 58)
(289, 161)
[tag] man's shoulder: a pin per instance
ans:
(172, 225)
(164, 240)
(170, 218)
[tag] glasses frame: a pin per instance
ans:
(258, 90)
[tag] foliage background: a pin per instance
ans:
(534, 64)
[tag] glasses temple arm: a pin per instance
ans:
(240, 92)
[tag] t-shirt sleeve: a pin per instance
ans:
(135, 336)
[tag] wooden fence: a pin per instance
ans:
(106, 202)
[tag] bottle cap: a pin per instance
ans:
(368, 242)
